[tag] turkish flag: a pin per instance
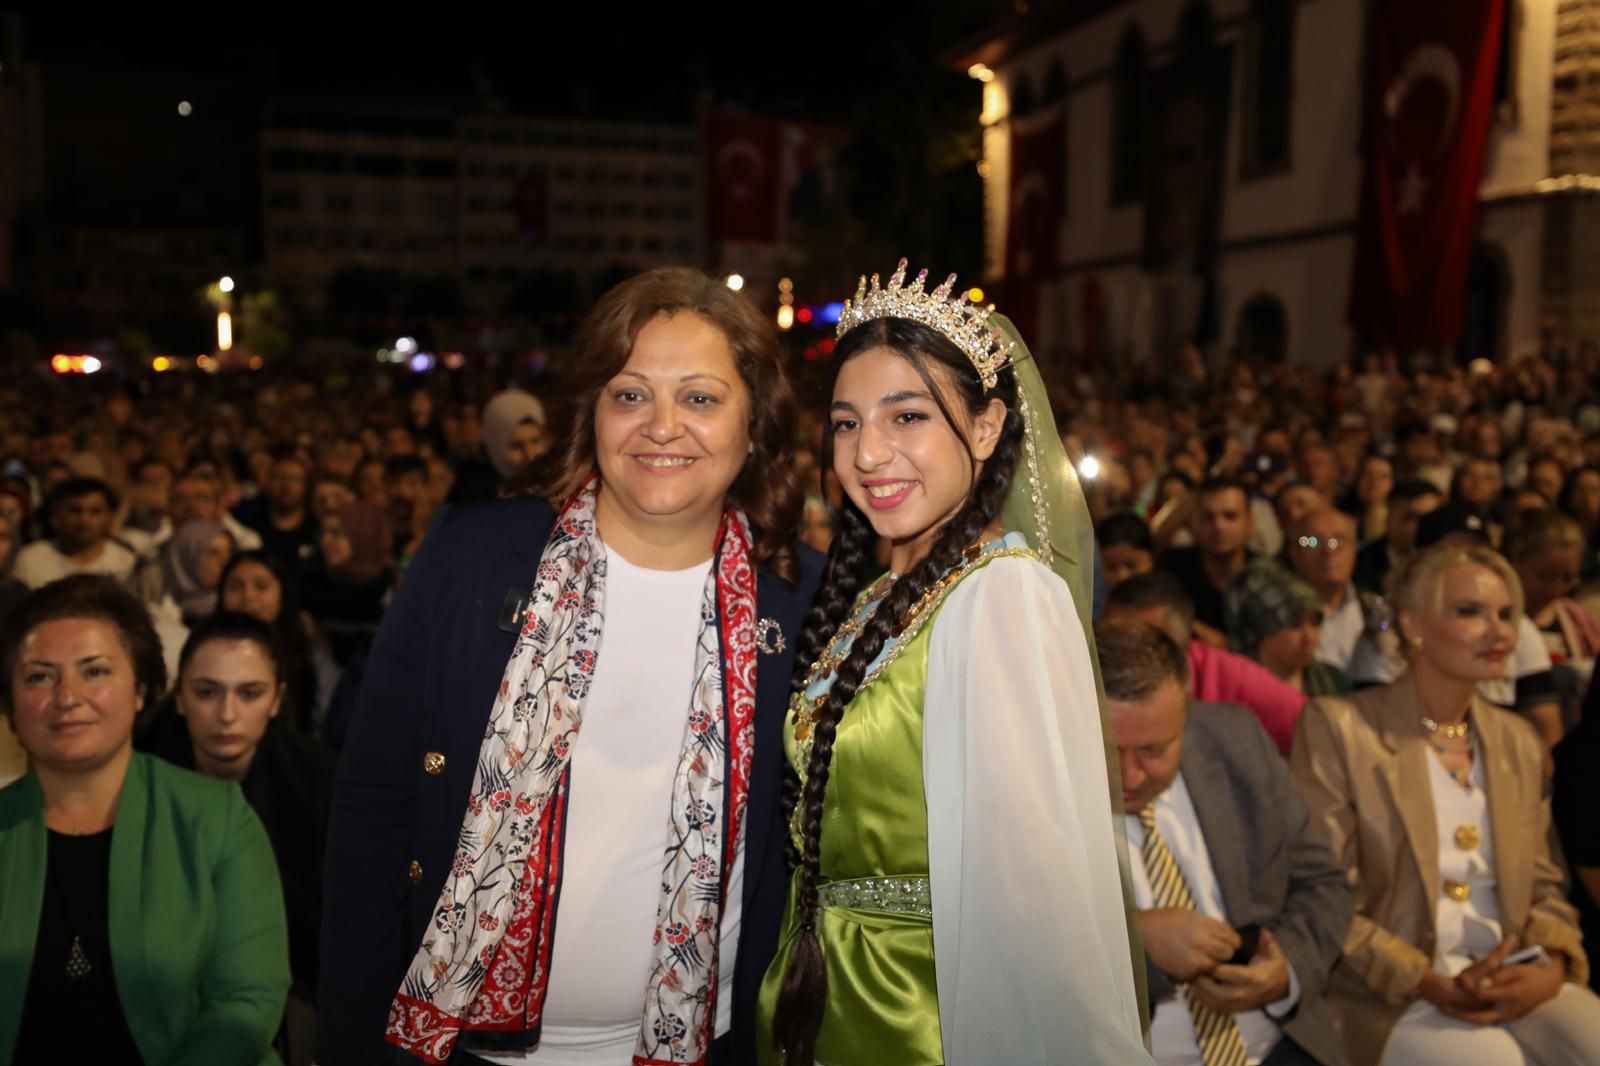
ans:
(744, 178)
(1033, 222)
(1429, 101)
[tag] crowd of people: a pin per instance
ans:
(294, 675)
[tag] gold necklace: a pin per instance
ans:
(1448, 732)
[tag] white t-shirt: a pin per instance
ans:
(42, 562)
(634, 722)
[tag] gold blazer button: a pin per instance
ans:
(1459, 891)
(1468, 837)
(433, 762)
(415, 872)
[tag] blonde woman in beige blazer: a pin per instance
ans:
(1435, 802)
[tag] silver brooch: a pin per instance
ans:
(769, 637)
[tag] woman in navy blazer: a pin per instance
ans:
(676, 457)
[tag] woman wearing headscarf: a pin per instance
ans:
(347, 581)
(192, 562)
(513, 437)
(1275, 618)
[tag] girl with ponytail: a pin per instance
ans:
(956, 894)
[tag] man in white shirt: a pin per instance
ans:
(1222, 850)
(81, 510)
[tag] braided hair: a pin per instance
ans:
(803, 995)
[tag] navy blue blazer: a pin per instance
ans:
(434, 670)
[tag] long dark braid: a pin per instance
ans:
(849, 557)
(802, 998)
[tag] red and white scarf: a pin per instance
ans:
(484, 963)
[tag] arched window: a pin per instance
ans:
(1263, 329)
(1269, 87)
(1055, 83)
(1128, 118)
(1022, 104)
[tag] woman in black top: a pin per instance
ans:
(224, 720)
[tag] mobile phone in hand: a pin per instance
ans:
(1249, 940)
(1535, 954)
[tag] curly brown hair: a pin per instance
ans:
(767, 489)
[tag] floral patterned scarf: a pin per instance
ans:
(484, 963)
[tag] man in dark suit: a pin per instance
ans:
(1223, 853)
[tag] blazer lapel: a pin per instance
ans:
(1513, 857)
(125, 904)
(774, 599)
(23, 849)
(1406, 775)
(1212, 795)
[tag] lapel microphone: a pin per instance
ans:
(514, 611)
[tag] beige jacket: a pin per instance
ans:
(1361, 762)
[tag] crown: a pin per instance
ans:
(966, 324)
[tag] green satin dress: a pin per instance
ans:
(875, 922)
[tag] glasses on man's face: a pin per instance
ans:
(1322, 544)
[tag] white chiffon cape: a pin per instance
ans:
(1029, 929)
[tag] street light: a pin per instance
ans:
(226, 284)
(224, 331)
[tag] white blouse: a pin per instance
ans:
(1467, 929)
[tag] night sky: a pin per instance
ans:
(804, 60)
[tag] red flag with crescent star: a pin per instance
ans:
(1033, 214)
(744, 168)
(1429, 103)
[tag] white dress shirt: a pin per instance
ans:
(1172, 1027)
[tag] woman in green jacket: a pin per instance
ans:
(141, 919)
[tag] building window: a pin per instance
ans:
(1022, 97)
(1127, 119)
(1055, 83)
(1505, 75)
(1269, 88)
(1262, 332)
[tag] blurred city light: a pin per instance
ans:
(735, 282)
(1089, 468)
(226, 284)
(979, 72)
(161, 364)
(831, 313)
(224, 331)
(91, 365)
(405, 346)
(803, 315)
(975, 294)
(786, 317)
(185, 109)
(421, 363)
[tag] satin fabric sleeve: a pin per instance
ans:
(1030, 934)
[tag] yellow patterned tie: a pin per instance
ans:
(1215, 1032)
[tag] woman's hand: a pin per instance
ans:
(1512, 991)
(1446, 994)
